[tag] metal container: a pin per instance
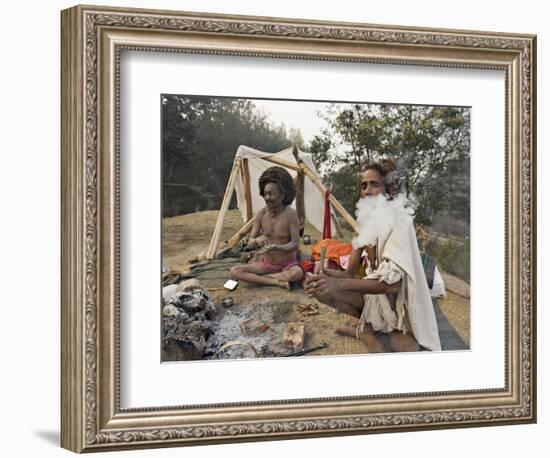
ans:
(227, 302)
(306, 239)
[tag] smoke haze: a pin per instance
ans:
(377, 216)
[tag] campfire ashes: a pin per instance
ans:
(186, 324)
(194, 328)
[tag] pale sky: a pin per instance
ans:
(300, 115)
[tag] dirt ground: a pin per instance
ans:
(456, 306)
(187, 237)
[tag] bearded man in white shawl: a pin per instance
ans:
(391, 296)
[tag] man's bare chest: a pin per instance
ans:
(275, 226)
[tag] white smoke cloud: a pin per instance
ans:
(377, 216)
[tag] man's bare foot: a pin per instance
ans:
(283, 284)
(370, 340)
(368, 336)
(349, 329)
(353, 321)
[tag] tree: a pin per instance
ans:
(357, 133)
(199, 138)
(319, 148)
(295, 136)
(431, 146)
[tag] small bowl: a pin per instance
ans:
(227, 302)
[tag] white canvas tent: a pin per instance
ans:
(248, 165)
(438, 288)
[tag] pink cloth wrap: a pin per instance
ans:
(273, 268)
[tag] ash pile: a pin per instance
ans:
(186, 322)
(247, 331)
(194, 327)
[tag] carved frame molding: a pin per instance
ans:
(92, 39)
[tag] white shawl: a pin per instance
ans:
(401, 247)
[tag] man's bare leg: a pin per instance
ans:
(373, 343)
(352, 304)
(253, 273)
(286, 277)
(400, 342)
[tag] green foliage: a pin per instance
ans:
(296, 138)
(200, 136)
(431, 146)
(343, 184)
(452, 257)
(319, 148)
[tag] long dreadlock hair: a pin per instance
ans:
(280, 177)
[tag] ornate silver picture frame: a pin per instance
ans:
(93, 39)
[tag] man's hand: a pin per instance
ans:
(323, 287)
(261, 241)
(267, 248)
(257, 242)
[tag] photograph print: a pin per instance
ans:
(297, 228)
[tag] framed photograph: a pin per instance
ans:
(278, 228)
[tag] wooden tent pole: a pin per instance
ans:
(223, 210)
(240, 234)
(300, 202)
(282, 162)
(300, 190)
(245, 171)
(229, 244)
(295, 154)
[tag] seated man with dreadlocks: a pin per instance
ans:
(275, 233)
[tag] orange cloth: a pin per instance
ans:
(335, 249)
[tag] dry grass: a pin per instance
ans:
(457, 311)
(456, 285)
(185, 237)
